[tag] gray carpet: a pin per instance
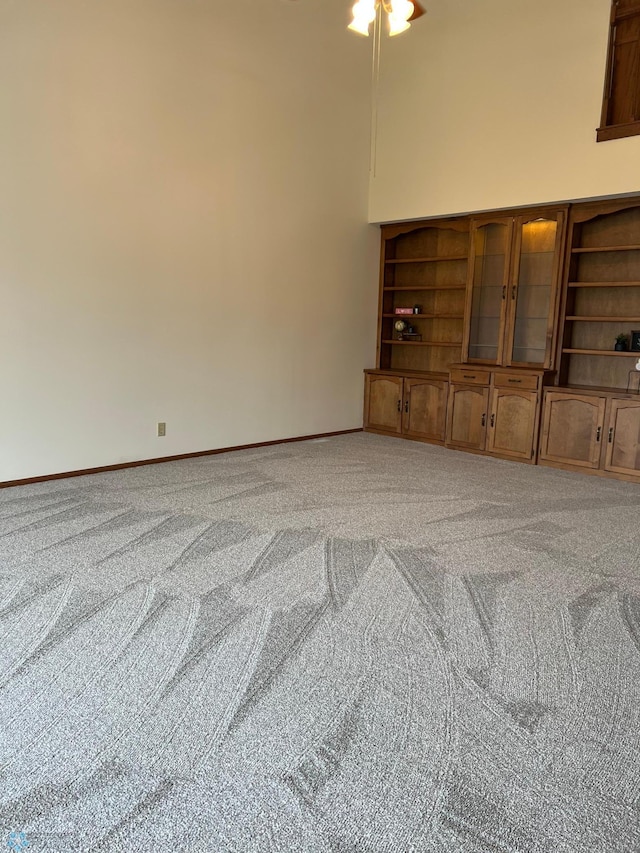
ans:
(350, 644)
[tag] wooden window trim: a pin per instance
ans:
(608, 131)
(617, 131)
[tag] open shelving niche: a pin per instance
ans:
(425, 266)
(602, 298)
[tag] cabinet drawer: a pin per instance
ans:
(470, 376)
(515, 380)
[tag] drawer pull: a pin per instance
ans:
(467, 376)
(598, 433)
(514, 380)
(610, 435)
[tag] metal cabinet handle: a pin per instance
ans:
(493, 418)
(598, 433)
(513, 292)
(399, 405)
(610, 435)
(467, 376)
(504, 291)
(484, 419)
(514, 380)
(406, 406)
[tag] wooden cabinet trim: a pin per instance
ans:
(392, 230)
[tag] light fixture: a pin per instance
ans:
(400, 13)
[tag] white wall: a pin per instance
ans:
(486, 104)
(183, 238)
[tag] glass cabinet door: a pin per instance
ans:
(490, 270)
(532, 292)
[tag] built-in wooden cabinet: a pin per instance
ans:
(602, 294)
(412, 406)
(423, 270)
(512, 293)
(495, 411)
(509, 346)
(592, 421)
(597, 430)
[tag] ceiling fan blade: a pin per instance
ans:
(418, 11)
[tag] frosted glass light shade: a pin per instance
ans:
(397, 25)
(401, 11)
(364, 13)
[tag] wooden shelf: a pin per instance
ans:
(424, 343)
(582, 251)
(436, 259)
(582, 319)
(424, 266)
(624, 353)
(426, 316)
(604, 284)
(425, 287)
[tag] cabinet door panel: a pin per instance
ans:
(623, 437)
(467, 416)
(425, 408)
(572, 429)
(512, 423)
(486, 305)
(383, 403)
(532, 296)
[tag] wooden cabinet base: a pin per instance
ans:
(412, 406)
(407, 437)
(496, 411)
(593, 431)
(595, 472)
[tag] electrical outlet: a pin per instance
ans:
(162, 429)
